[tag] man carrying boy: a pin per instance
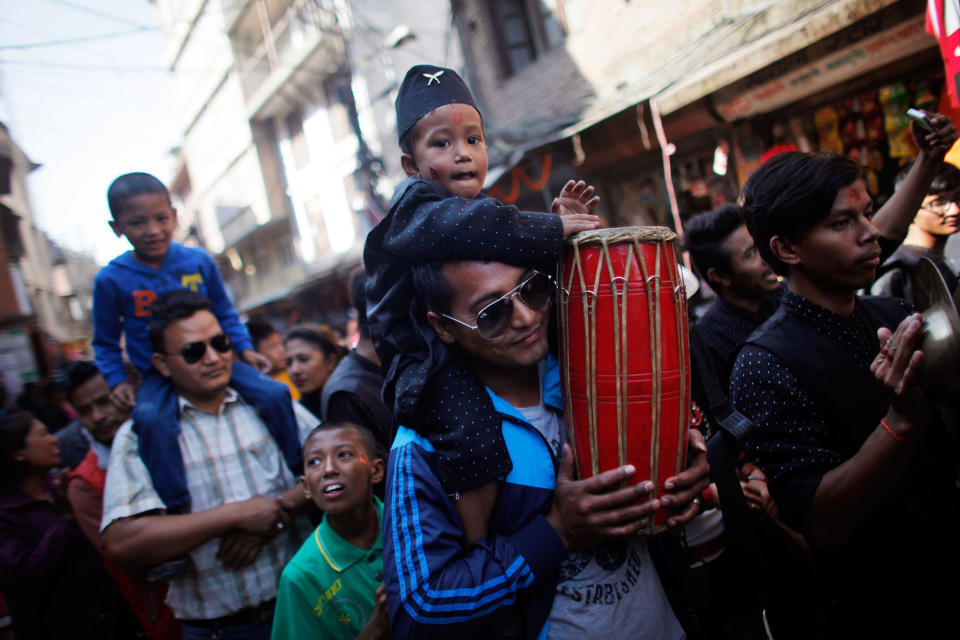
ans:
(123, 295)
(441, 214)
(936, 220)
(842, 427)
(235, 458)
(124, 290)
(504, 585)
(333, 587)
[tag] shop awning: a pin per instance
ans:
(322, 269)
(819, 23)
(845, 64)
(729, 53)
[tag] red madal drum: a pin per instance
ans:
(625, 349)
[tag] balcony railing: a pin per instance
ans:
(291, 39)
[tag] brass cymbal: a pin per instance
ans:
(940, 335)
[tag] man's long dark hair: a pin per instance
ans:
(790, 194)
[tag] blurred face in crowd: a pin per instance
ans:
(40, 449)
(99, 415)
(747, 275)
(449, 149)
(308, 365)
(206, 378)
(939, 215)
(475, 285)
(148, 222)
(272, 348)
(339, 470)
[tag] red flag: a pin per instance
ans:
(943, 23)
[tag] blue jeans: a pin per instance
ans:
(233, 632)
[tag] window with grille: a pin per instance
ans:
(525, 29)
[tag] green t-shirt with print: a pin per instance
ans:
(328, 589)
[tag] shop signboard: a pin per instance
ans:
(872, 52)
(17, 363)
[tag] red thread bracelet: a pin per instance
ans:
(709, 498)
(893, 434)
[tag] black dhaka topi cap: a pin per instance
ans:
(425, 88)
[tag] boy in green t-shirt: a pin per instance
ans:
(333, 586)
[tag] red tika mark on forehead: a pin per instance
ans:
(856, 196)
(458, 117)
(434, 175)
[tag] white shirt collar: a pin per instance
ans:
(231, 396)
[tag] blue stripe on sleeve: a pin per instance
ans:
(524, 578)
(454, 619)
(416, 521)
(518, 565)
(408, 568)
(398, 551)
(420, 599)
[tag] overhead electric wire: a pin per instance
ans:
(101, 14)
(55, 43)
(92, 67)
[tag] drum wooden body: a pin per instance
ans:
(625, 354)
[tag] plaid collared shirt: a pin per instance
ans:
(229, 457)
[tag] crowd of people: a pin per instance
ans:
(215, 479)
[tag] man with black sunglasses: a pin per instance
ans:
(232, 455)
(560, 558)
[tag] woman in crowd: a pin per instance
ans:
(312, 354)
(50, 575)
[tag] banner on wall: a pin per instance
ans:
(872, 52)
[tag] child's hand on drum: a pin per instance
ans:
(585, 512)
(685, 489)
(574, 204)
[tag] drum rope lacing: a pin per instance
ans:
(620, 287)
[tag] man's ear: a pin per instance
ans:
(439, 324)
(306, 488)
(160, 362)
(716, 280)
(173, 214)
(409, 165)
(785, 250)
(378, 471)
(115, 226)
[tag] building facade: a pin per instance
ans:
(45, 291)
(572, 88)
(289, 149)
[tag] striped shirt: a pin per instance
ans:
(229, 457)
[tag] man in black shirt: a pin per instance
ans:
(748, 291)
(842, 428)
(353, 393)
